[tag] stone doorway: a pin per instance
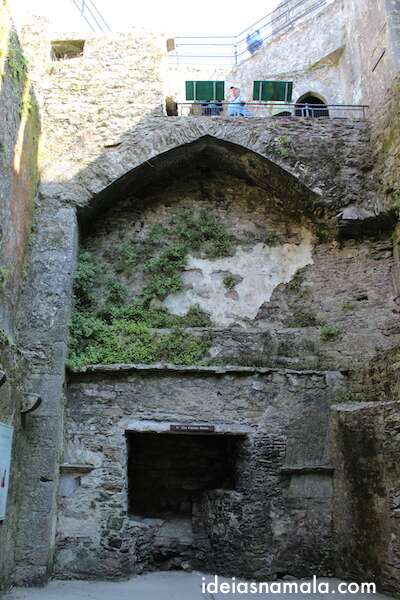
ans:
(166, 471)
(170, 479)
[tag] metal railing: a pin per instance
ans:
(92, 16)
(270, 109)
(230, 50)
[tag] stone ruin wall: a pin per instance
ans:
(367, 493)
(88, 102)
(19, 131)
(283, 494)
(260, 517)
(94, 157)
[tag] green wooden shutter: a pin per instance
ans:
(273, 91)
(257, 90)
(219, 90)
(289, 91)
(204, 90)
(189, 91)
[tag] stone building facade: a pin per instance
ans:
(354, 62)
(230, 396)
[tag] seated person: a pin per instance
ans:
(211, 108)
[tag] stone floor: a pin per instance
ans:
(155, 586)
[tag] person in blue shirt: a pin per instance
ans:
(254, 41)
(237, 104)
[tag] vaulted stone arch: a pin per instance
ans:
(313, 153)
(212, 153)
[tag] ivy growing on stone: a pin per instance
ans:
(115, 328)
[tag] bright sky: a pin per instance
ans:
(171, 17)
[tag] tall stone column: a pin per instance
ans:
(43, 333)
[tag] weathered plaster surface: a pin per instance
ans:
(259, 271)
(310, 69)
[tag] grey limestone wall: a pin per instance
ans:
(367, 493)
(272, 493)
(92, 140)
(370, 62)
(89, 122)
(89, 101)
(19, 130)
(43, 331)
(278, 518)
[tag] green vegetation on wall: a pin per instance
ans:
(18, 152)
(329, 332)
(112, 325)
(16, 61)
(387, 139)
(283, 146)
(4, 339)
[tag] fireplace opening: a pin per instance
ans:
(167, 471)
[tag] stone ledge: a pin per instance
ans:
(356, 406)
(147, 426)
(121, 368)
(68, 468)
(307, 469)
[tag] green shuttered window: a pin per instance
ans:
(273, 91)
(204, 90)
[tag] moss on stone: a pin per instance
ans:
(4, 274)
(283, 146)
(347, 306)
(230, 281)
(296, 285)
(271, 239)
(16, 61)
(5, 24)
(329, 332)
(302, 318)
(4, 339)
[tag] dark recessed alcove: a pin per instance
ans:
(166, 471)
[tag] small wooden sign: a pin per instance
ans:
(192, 428)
